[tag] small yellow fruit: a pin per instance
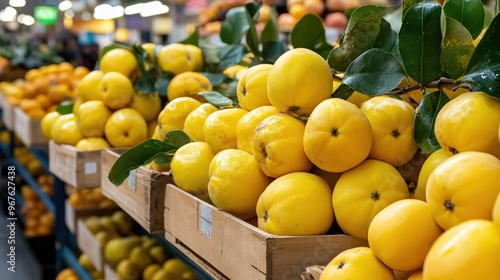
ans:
(247, 124)
(496, 212)
(91, 118)
(252, 87)
(278, 145)
(188, 84)
(87, 87)
(192, 156)
(150, 270)
(356, 263)
(152, 125)
(417, 275)
(47, 122)
(176, 58)
(469, 123)
(364, 191)
(470, 250)
(193, 125)
(92, 144)
(116, 90)
(197, 55)
(449, 193)
(148, 105)
(173, 115)
(392, 125)
(125, 128)
(236, 182)
(392, 228)
(150, 49)
(175, 267)
(220, 128)
(299, 90)
(119, 60)
(338, 136)
(433, 161)
(66, 132)
(297, 203)
(357, 98)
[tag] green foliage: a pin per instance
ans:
(146, 152)
(426, 117)
(66, 107)
(309, 33)
(217, 99)
(457, 48)
(470, 13)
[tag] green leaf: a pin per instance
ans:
(484, 66)
(193, 39)
(408, 3)
(252, 9)
(270, 33)
(252, 39)
(420, 42)
(164, 158)
(360, 36)
(386, 39)
(470, 13)
(230, 91)
(135, 157)
(309, 33)
(216, 98)
(497, 7)
(215, 79)
(425, 118)
(177, 138)
(230, 55)
(457, 48)
(342, 92)
(66, 107)
(374, 72)
(234, 26)
(161, 84)
(271, 50)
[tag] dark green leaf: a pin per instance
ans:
(252, 38)
(164, 158)
(360, 36)
(426, 117)
(211, 57)
(177, 138)
(342, 92)
(457, 48)
(420, 42)
(161, 84)
(309, 33)
(271, 50)
(145, 84)
(253, 9)
(470, 13)
(136, 157)
(386, 37)
(215, 78)
(408, 3)
(216, 98)
(230, 55)
(66, 107)
(230, 91)
(484, 66)
(234, 26)
(194, 38)
(374, 72)
(270, 31)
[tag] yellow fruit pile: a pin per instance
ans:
(28, 160)
(106, 228)
(300, 160)
(67, 274)
(43, 89)
(90, 198)
(85, 261)
(108, 111)
(38, 220)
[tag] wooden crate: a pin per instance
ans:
(7, 112)
(80, 169)
(110, 273)
(89, 245)
(29, 131)
(72, 215)
(142, 195)
(229, 248)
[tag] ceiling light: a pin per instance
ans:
(8, 14)
(86, 16)
(106, 11)
(69, 14)
(153, 8)
(28, 20)
(65, 5)
(17, 3)
(133, 9)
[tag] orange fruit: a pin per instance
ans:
(297, 11)
(44, 101)
(80, 71)
(29, 104)
(58, 93)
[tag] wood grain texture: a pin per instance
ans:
(29, 131)
(89, 245)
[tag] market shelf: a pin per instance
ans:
(72, 261)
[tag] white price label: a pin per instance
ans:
(132, 180)
(90, 168)
(206, 220)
